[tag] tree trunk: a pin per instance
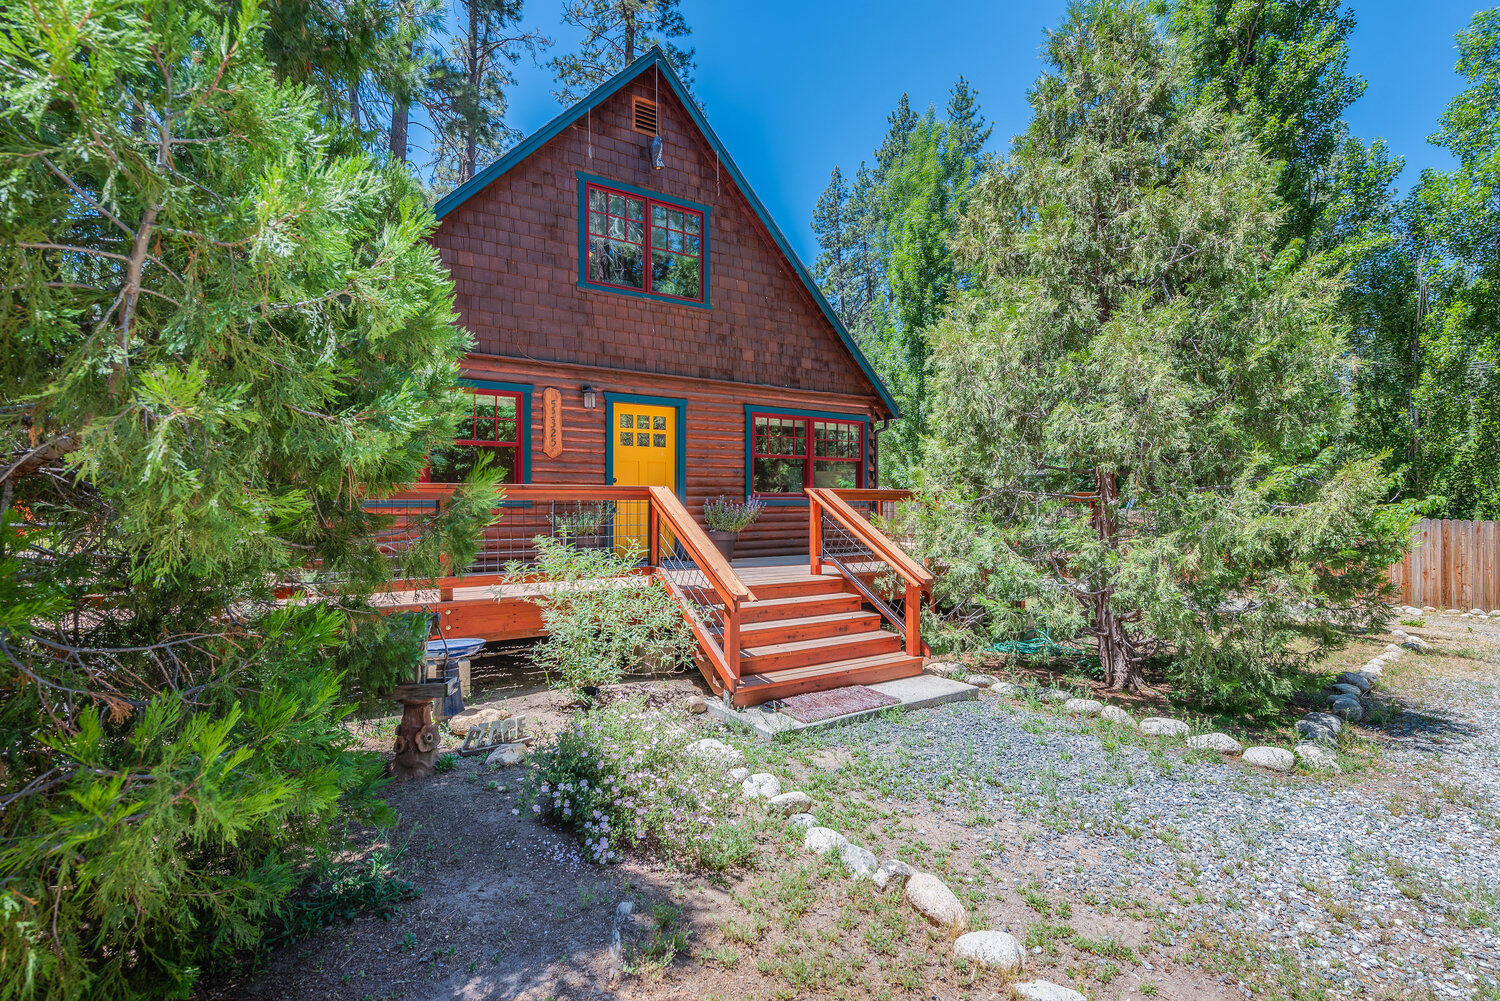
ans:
(629, 39)
(1122, 670)
(400, 121)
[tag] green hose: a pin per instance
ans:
(1040, 644)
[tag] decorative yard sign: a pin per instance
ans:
(552, 422)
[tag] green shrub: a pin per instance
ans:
(339, 892)
(621, 776)
(602, 616)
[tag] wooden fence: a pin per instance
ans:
(1454, 564)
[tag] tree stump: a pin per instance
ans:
(417, 737)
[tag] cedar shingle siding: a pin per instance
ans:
(512, 249)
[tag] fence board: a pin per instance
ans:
(1452, 564)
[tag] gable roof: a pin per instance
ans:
(655, 57)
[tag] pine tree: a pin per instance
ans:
(968, 132)
(615, 33)
(1136, 420)
(467, 101)
(831, 225)
(221, 337)
(899, 125)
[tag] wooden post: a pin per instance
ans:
(732, 644)
(913, 620)
(444, 593)
(814, 538)
(653, 536)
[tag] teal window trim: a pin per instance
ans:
(584, 180)
(676, 403)
(818, 415)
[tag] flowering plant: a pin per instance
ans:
(621, 776)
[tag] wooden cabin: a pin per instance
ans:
(645, 339)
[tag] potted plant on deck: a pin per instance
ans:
(727, 518)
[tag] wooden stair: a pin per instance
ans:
(807, 634)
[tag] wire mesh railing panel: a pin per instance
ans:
(867, 570)
(678, 566)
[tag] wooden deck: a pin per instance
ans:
(767, 628)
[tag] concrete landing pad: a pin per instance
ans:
(911, 693)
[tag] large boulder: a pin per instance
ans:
(1117, 715)
(1343, 689)
(944, 669)
(1277, 759)
(1161, 726)
(1007, 689)
(1356, 680)
(1053, 695)
(801, 821)
(993, 949)
(1221, 742)
(1084, 707)
(716, 752)
(933, 900)
(1416, 643)
(980, 680)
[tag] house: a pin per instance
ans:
(640, 321)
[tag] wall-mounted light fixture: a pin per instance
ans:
(657, 163)
(590, 399)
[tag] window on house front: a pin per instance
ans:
(637, 242)
(491, 428)
(789, 453)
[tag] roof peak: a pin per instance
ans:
(654, 56)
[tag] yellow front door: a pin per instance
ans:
(645, 454)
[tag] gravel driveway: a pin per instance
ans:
(1382, 883)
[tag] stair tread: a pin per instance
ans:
(798, 599)
(832, 667)
(771, 625)
(822, 642)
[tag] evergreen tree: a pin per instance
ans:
(831, 225)
(899, 125)
(968, 132)
(467, 100)
(1282, 65)
(220, 338)
(615, 32)
(866, 264)
(1135, 404)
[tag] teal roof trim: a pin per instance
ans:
(601, 93)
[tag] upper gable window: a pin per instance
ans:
(640, 243)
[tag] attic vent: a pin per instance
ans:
(643, 113)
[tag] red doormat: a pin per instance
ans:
(814, 706)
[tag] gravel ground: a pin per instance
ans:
(1379, 884)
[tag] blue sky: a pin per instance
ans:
(795, 87)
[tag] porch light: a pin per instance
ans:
(589, 398)
(656, 160)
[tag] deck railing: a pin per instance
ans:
(651, 520)
(840, 534)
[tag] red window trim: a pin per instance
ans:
(808, 457)
(645, 244)
(514, 443)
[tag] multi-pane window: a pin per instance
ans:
(662, 258)
(790, 453)
(491, 428)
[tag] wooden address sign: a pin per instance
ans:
(552, 422)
